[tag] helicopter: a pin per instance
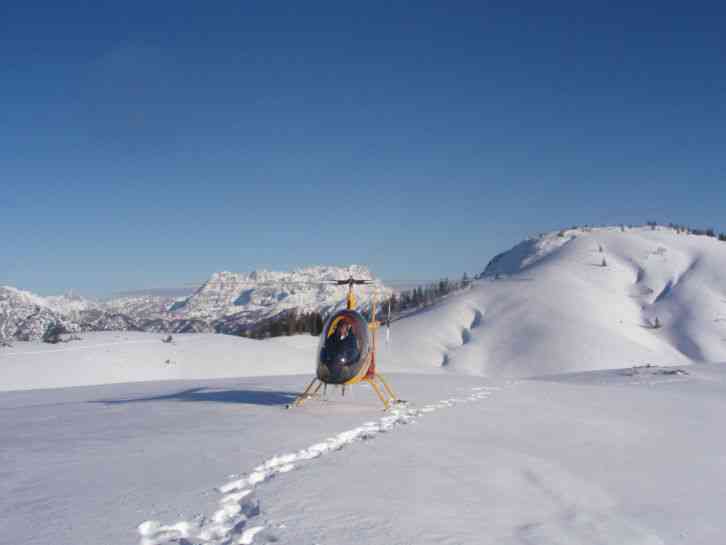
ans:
(347, 351)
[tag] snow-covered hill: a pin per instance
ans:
(578, 300)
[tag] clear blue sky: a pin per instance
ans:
(152, 143)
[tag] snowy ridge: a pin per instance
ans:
(147, 307)
(25, 316)
(526, 254)
(69, 304)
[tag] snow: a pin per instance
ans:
(555, 309)
(543, 407)
(227, 302)
(66, 304)
(261, 294)
(69, 304)
(25, 316)
(118, 357)
(630, 456)
(31, 298)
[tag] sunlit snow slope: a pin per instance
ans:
(580, 300)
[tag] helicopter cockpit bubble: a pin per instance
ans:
(344, 347)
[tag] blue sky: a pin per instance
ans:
(150, 144)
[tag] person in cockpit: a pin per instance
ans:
(343, 341)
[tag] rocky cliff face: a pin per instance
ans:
(263, 294)
(25, 316)
(227, 302)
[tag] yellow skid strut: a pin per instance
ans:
(385, 394)
(309, 392)
(379, 384)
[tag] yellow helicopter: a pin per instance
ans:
(347, 352)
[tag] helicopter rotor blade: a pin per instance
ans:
(355, 281)
(351, 281)
(292, 283)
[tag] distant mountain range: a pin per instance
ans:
(228, 302)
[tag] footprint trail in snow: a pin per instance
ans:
(236, 520)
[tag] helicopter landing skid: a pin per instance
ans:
(379, 384)
(385, 393)
(311, 391)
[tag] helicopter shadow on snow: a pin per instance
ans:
(213, 395)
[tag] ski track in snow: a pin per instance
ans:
(236, 520)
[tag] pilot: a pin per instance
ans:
(344, 340)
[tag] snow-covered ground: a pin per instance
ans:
(533, 418)
(617, 457)
(124, 356)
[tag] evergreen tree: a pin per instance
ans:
(291, 323)
(53, 332)
(442, 288)
(275, 329)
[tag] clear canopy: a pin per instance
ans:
(344, 347)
